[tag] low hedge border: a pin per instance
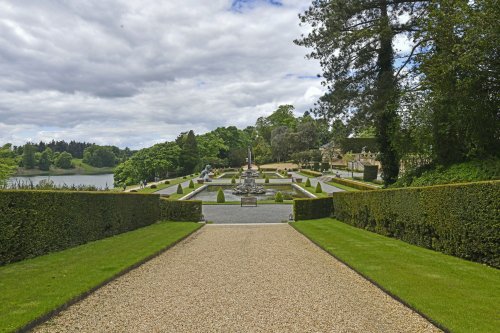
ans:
(457, 219)
(353, 184)
(33, 223)
(311, 173)
(180, 210)
(309, 209)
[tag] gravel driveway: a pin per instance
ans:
(240, 278)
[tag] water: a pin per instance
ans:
(210, 193)
(100, 181)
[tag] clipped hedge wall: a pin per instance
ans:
(308, 209)
(459, 219)
(370, 172)
(33, 223)
(356, 185)
(311, 173)
(185, 210)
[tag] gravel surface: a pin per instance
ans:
(263, 213)
(240, 278)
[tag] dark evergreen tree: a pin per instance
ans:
(189, 157)
(29, 161)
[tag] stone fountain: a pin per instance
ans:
(249, 186)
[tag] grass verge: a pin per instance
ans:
(343, 187)
(459, 295)
(186, 191)
(33, 288)
(312, 189)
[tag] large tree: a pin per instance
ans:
(189, 157)
(354, 41)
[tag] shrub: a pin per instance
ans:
(459, 219)
(278, 197)
(325, 166)
(191, 184)
(33, 223)
(356, 185)
(153, 186)
(133, 191)
(308, 209)
(266, 180)
(221, 198)
(180, 210)
(370, 172)
(233, 180)
(308, 183)
(179, 189)
(311, 173)
(184, 177)
(167, 182)
(318, 188)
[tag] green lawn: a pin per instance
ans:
(312, 189)
(162, 186)
(262, 202)
(343, 187)
(186, 190)
(80, 168)
(31, 288)
(460, 295)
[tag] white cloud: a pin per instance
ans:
(138, 72)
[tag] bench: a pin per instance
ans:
(248, 201)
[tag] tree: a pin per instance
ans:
(29, 156)
(179, 189)
(100, 156)
(221, 198)
(283, 116)
(189, 157)
(280, 143)
(45, 159)
(318, 188)
(7, 163)
(64, 161)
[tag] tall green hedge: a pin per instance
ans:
(460, 219)
(353, 184)
(308, 209)
(311, 173)
(33, 223)
(180, 210)
(370, 172)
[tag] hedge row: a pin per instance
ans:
(175, 210)
(460, 219)
(353, 184)
(311, 173)
(308, 209)
(33, 223)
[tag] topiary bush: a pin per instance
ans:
(221, 198)
(179, 189)
(459, 219)
(153, 186)
(191, 184)
(33, 223)
(166, 182)
(308, 183)
(233, 180)
(308, 209)
(318, 188)
(266, 180)
(278, 197)
(180, 210)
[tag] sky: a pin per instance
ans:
(138, 72)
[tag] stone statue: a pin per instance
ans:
(204, 174)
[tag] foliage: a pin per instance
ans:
(353, 184)
(370, 172)
(356, 145)
(278, 197)
(29, 161)
(308, 209)
(45, 159)
(99, 156)
(459, 295)
(180, 210)
(189, 157)
(266, 179)
(191, 184)
(311, 173)
(33, 223)
(54, 280)
(233, 180)
(318, 188)
(221, 198)
(460, 220)
(473, 171)
(64, 161)
(308, 182)
(179, 189)
(48, 185)
(7, 163)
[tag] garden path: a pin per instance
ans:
(240, 278)
(324, 186)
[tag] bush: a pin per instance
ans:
(221, 198)
(167, 182)
(153, 186)
(311, 173)
(325, 166)
(191, 184)
(180, 210)
(370, 173)
(33, 223)
(133, 191)
(460, 219)
(233, 180)
(179, 189)
(184, 177)
(278, 197)
(308, 209)
(318, 188)
(308, 183)
(356, 185)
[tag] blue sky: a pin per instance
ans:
(133, 73)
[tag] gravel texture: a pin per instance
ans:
(240, 278)
(263, 213)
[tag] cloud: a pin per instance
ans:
(132, 72)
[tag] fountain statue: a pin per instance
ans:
(204, 174)
(249, 186)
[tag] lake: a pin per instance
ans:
(100, 181)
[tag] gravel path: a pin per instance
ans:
(264, 213)
(248, 278)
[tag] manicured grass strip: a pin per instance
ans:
(460, 295)
(186, 190)
(32, 288)
(312, 189)
(343, 187)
